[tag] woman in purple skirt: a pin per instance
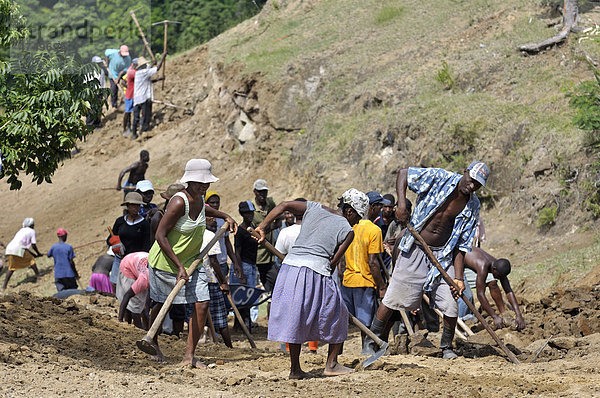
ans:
(307, 304)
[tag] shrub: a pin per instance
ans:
(547, 216)
(445, 76)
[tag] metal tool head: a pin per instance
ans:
(381, 352)
(147, 345)
(165, 21)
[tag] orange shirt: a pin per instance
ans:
(367, 240)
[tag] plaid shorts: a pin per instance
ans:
(218, 310)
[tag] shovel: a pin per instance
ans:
(451, 283)
(382, 344)
(146, 344)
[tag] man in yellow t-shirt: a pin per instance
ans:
(363, 282)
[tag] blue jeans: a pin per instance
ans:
(249, 272)
(114, 272)
(464, 312)
(361, 302)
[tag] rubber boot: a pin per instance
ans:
(446, 343)
(369, 346)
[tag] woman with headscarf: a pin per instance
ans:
(18, 251)
(178, 243)
(307, 303)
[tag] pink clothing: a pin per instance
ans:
(130, 82)
(135, 266)
(101, 283)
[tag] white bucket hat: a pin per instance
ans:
(198, 170)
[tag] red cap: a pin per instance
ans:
(61, 232)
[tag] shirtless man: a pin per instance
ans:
(137, 172)
(446, 216)
(483, 264)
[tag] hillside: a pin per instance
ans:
(318, 96)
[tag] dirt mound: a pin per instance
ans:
(77, 348)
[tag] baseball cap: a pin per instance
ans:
(246, 206)
(357, 200)
(124, 50)
(144, 186)
(479, 172)
(96, 59)
(261, 185)
(375, 197)
(390, 198)
(61, 232)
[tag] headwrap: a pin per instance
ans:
(28, 222)
(357, 200)
(209, 194)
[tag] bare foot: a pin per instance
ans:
(300, 375)
(159, 357)
(194, 363)
(337, 370)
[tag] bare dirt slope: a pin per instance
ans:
(315, 104)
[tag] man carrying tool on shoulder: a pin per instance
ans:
(446, 216)
(485, 266)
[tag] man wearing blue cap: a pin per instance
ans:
(446, 216)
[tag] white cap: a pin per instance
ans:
(144, 186)
(261, 185)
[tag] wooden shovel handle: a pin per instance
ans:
(451, 283)
(241, 321)
(167, 304)
(267, 244)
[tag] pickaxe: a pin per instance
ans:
(142, 34)
(166, 22)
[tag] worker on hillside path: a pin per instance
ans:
(213, 199)
(132, 289)
(245, 250)
(143, 94)
(446, 215)
(267, 268)
(217, 283)
(117, 62)
(130, 79)
(18, 251)
(485, 265)
(307, 303)
(137, 173)
(363, 283)
(65, 273)
(146, 189)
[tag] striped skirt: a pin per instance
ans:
(307, 306)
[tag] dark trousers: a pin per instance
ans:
(114, 94)
(65, 283)
(146, 109)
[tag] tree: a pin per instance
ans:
(44, 96)
(570, 14)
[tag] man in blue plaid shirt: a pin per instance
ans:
(446, 216)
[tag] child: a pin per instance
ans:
(65, 274)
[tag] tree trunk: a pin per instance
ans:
(570, 16)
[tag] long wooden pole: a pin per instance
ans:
(147, 343)
(142, 34)
(451, 283)
(165, 61)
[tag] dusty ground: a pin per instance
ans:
(76, 347)
(54, 348)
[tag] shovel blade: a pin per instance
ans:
(369, 361)
(147, 345)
